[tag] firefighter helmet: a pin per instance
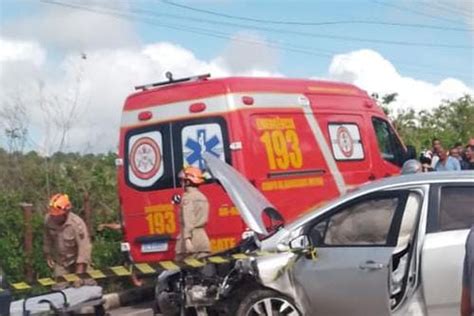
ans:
(59, 204)
(193, 174)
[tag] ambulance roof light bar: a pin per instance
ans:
(169, 76)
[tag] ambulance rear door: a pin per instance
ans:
(191, 138)
(154, 156)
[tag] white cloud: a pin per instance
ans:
(20, 64)
(94, 88)
(87, 92)
(372, 72)
(73, 29)
(23, 51)
(247, 52)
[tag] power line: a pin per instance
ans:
(196, 30)
(279, 31)
(214, 22)
(227, 36)
(443, 7)
(402, 8)
(313, 35)
(306, 23)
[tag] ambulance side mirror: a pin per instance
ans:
(411, 153)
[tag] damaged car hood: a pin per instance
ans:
(250, 202)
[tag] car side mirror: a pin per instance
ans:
(411, 153)
(300, 243)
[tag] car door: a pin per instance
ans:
(354, 243)
(451, 214)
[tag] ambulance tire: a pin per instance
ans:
(257, 302)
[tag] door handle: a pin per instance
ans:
(372, 177)
(371, 265)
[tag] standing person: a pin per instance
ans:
(67, 245)
(435, 148)
(456, 153)
(425, 160)
(460, 147)
(447, 163)
(468, 163)
(464, 158)
(194, 212)
(461, 150)
(467, 296)
(192, 241)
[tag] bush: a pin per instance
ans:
(32, 178)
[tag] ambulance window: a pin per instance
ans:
(389, 145)
(346, 141)
(148, 158)
(194, 137)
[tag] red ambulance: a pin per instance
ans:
(300, 142)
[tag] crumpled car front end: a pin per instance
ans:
(210, 287)
(275, 272)
(220, 288)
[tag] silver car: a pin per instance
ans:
(392, 247)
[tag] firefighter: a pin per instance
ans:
(194, 212)
(67, 245)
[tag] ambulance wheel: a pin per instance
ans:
(264, 302)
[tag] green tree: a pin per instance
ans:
(451, 122)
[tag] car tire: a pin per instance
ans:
(267, 302)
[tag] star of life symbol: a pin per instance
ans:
(201, 143)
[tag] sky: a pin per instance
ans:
(68, 65)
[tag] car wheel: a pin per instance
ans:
(266, 303)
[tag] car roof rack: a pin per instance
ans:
(171, 80)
